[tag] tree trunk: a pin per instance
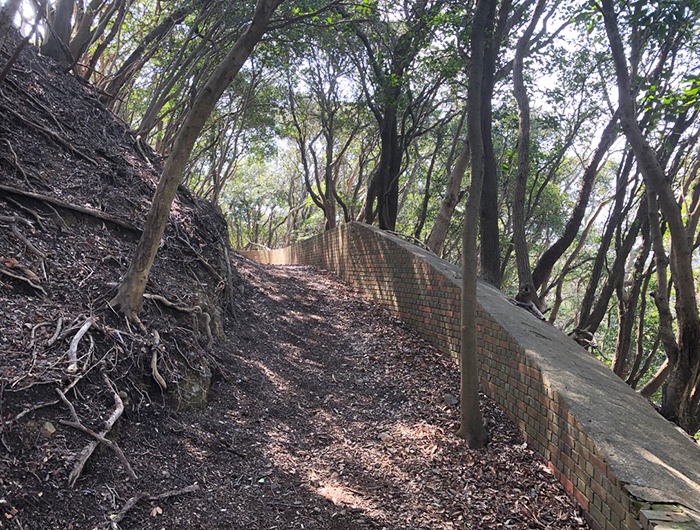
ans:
(472, 424)
(614, 220)
(56, 45)
(681, 402)
(140, 55)
(129, 298)
(490, 266)
(627, 307)
(438, 234)
(522, 255)
(549, 258)
(100, 49)
(426, 195)
(384, 183)
(7, 15)
(616, 275)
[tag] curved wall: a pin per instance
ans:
(625, 464)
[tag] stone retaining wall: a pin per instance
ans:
(625, 465)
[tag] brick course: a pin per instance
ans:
(424, 292)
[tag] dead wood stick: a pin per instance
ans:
(38, 253)
(13, 219)
(133, 501)
(73, 350)
(229, 280)
(54, 337)
(68, 206)
(18, 277)
(87, 451)
(52, 135)
(75, 424)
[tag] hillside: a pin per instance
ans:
(322, 411)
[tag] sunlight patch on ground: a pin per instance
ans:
(279, 382)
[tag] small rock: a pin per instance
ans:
(48, 429)
(450, 399)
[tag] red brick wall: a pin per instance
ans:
(424, 292)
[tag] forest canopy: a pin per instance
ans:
(296, 116)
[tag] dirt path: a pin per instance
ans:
(330, 414)
(334, 417)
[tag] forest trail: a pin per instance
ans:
(332, 415)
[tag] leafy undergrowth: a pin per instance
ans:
(324, 412)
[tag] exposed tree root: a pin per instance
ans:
(116, 518)
(77, 425)
(54, 337)
(154, 363)
(73, 350)
(68, 206)
(194, 309)
(90, 448)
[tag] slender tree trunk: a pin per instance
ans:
(129, 298)
(472, 424)
(549, 258)
(140, 55)
(614, 220)
(522, 255)
(617, 273)
(438, 234)
(100, 49)
(7, 14)
(627, 307)
(426, 195)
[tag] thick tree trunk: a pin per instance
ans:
(56, 45)
(490, 266)
(472, 424)
(681, 402)
(130, 295)
(384, 184)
